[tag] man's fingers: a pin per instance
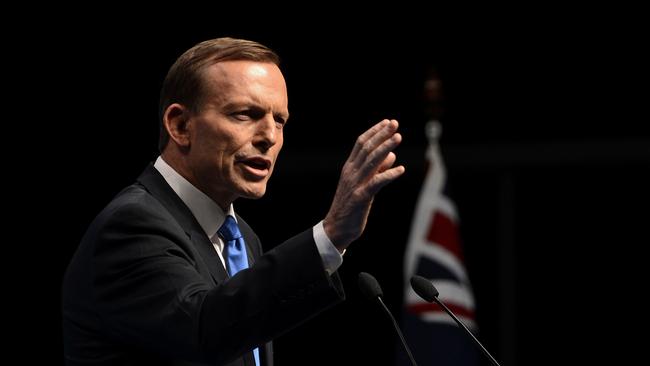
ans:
(372, 163)
(380, 180)
(388, 162)
(373, 137)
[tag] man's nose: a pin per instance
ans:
(267, 133)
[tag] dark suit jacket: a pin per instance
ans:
(147, 287)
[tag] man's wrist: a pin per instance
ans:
(332, 257)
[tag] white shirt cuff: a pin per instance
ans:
(331, 257)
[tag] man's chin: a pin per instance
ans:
(253, 194)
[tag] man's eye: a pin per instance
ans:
(248, 114)
(242, 115)
(281, 121)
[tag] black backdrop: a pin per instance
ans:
(547, 160)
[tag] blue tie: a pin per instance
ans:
(235, 255)
(235, 248)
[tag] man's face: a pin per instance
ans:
(237, 133)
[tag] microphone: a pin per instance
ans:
(370, 288)
(426, 290)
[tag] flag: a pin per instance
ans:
(434, 251)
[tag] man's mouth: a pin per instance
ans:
(258, 167)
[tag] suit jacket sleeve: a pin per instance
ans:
(149, 287)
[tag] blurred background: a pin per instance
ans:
(547, 162)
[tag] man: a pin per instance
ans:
(158, 278)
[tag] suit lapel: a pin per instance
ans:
(266, 354)
(252, 246)
(249, 253)
(209, 254)
(158, 187)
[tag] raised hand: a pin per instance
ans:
(368, 168)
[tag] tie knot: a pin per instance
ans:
(230, 230)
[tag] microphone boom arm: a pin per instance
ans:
(371, 289)
(399, 332)
(460, 324)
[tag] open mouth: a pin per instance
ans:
(258, 163)
(257, 167)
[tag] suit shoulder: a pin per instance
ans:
(133, 197)
(136, 200)
(134, 206)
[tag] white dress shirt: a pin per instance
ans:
(210, 216)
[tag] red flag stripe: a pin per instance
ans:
(429, 307)
(444, 232)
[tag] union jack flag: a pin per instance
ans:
(434, 251)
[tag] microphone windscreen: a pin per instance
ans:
(424, 288)
(369, 286)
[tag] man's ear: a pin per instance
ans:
(176, 120)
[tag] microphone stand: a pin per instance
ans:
(460, 324)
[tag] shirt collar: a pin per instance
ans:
(209, 215)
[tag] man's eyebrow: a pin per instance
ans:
(240, 104)
(231, 106)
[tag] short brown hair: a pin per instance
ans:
(184, 84)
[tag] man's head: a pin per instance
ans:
(223, 106)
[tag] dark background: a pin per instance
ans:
(547, 156)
